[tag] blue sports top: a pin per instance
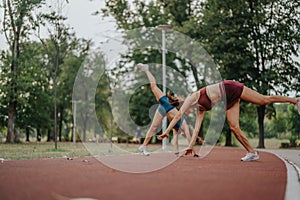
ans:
(164, 107)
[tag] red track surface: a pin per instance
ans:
(220, 175)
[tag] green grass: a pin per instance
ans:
(41, 150)
(36, 150)
(270, 143)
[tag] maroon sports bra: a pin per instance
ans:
(204, 101)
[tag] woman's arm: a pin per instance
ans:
(185, 106)
(199, 119)
(171, 125)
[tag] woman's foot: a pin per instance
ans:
(143, 67)
(144, 151)
(250, 156)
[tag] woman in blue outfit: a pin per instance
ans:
(167, 107)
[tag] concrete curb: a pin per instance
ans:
(293, 173)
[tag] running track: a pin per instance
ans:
(220, 175)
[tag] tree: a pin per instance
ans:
(150, 14)
(252, 42)
(56, 47)
(293, 122)
(17, 23)
(275, 40)
(66, 78)
(33, 108)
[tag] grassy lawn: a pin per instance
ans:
(270, 143)
(41, 150)
(36, 150)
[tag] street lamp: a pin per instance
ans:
(163, 29)
(74, 121)
(109, 99)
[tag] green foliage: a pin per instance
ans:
(74, 57)
(224, 32)
(135, 15)
(30, 71)
(18, 21)
(285, 123)
(252, 42)
(293, 121)
(140, 100)
(103, 109)
(278, 124)
(33, 102)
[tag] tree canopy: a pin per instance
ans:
(255, 42)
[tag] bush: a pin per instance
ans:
(293, 140)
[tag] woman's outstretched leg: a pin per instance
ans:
(257, 98)
(155, 90)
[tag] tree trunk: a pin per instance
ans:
(49, 135)
(12, 107)
(38, 135)
(17, 136)
(27, 134)
(60, 123)
(261, 116)
(11, 122)
(55, 112)
(228, 141)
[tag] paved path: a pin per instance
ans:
(292, 160)
(289, 154)
(220, 175)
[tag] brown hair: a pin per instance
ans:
(173, 100)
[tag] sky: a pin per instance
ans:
(86, 25)
(80, 17)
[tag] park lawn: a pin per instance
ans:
(35, 150)
(41, 150)
(270, 143)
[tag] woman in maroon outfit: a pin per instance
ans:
(207, 97)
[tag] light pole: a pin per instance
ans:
(111, 121)
(163, 29)
(74, 121)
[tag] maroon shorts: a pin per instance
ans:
(233, 91)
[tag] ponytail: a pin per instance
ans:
(173, 100)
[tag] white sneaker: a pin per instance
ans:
(143, 149)
(298, 105)
(250, 156)
(143, 67)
